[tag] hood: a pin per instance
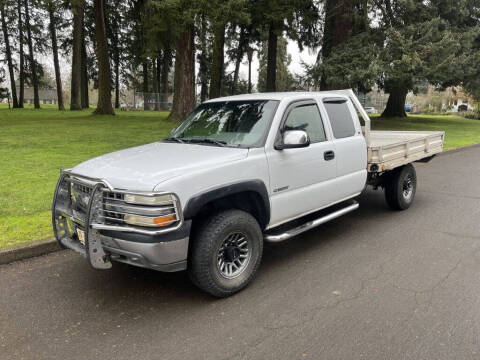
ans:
(143, 167)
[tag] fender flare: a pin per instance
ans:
(195, 203)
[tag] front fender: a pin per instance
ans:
(195, 203)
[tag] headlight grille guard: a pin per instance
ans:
(99, 185)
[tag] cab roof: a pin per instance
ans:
(280, 95)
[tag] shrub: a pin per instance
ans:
(475, 115)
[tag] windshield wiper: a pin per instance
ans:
(208, 141)
(175, 139)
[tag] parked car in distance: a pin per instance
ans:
(238, 171)
(408, 107)
(371, 110)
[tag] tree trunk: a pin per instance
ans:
(33, 65)
(271, 85)
(104, 105)
(76, 84)
(8, 54)
(238, 60)
(21, 65)
(159, 72)
(184, 87)
(116, 62)
(203, 89)
(250, 58)
(203, 60)
(53, 36)
(145, 85)
(167, 55)
(396, 102)
(85, 101)
(216, 74)
(154, 76)
(155, 71)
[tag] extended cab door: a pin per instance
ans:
(302, 180)
(350, 147)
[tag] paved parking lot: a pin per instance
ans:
(375, 284)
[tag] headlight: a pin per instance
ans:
(150, 221)
(148, 200)
(145, 210)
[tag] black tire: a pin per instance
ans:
(206, 252)
(400, 188)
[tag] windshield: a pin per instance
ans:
(227, 123)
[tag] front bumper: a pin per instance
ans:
(167, 252)
(163, 250)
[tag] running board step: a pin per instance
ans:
(311, 224)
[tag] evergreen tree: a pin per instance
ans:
(297, 19)
(32, 26)
(177, 19)
(78, 10)
(204, 56)
(21, 55)
(104, 105)
(342, 20)
(420, 43)
(55, 21)
(284, 80)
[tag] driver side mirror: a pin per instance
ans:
(293, 139)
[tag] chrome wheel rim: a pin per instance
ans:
(407, 187)
(233, 255)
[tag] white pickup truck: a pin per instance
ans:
(236, 172)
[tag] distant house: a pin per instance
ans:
(46, 96)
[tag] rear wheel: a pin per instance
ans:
(401, 187)
(226, 253)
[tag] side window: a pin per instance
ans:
(306, 118)
(340, 118)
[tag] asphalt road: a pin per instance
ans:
(375, 284)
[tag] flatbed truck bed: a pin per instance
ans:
(388, 150)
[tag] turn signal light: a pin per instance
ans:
(149, 221)
(164, 221)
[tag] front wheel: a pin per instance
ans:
(226, 253)
(401, 187)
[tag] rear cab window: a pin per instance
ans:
(340, 117)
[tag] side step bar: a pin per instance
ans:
(311, 224)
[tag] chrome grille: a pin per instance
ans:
(80, 196)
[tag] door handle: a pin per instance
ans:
(329, 155)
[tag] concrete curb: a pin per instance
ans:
(42, 247)
(28, 250)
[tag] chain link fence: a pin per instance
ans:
(152, 101)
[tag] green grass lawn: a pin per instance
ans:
(458, 131)
(35, 144)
